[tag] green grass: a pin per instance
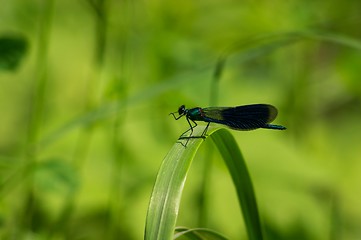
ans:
(198, 234)
(165, 200)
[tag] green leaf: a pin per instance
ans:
(167, 191)
(164, 203)
(12, 50)
(236, 164)
(198, 234)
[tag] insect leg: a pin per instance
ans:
(176, 118)
(205, 130)
(191, 127)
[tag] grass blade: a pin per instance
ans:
(164, 203)
(234, 160)
(198, 233)
(167, 191)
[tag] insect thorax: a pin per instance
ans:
(196, 114)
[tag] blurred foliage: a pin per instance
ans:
(86, 88)
(12, 49)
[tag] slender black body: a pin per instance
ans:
(246, 117)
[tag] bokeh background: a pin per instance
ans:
(84, 124)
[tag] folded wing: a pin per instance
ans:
(247, 117)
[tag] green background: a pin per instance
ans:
(85, 126)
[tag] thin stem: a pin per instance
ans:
(83, 143)
(36, 110)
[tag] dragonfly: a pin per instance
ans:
(245, 117)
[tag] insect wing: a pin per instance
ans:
(245, 117)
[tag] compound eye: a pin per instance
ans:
(181, 110)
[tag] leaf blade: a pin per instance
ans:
(237, 167)
(198, 233)
(164, 203)
(168, 187)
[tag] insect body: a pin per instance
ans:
(246, 117)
